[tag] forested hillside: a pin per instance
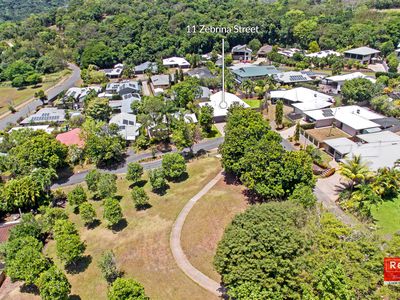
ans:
(19, 9)
(132, 31)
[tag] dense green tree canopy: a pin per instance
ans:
(125, 288)
(174, 165)
(358, 90)
(53, 285)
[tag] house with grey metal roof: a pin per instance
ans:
(162, 81)
(123, 87)
(264, 50)
(254, 72)
(142, 68)
(241, 52)
(365, 55)
(45, 115)
(205, 94)
(201, 73)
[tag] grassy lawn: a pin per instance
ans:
(213, 134)
(202, 229)
(253, 103)
(18, 96)
(142, 247)
(387, 216)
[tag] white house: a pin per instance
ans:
(114, 72)
(378, 150)
(303, 99)
(323, 54)
(46, 115)
(292, 77)
(128, 127)
(365, 55)
(221, 104)
(241, 52)
(176, 62)
(336, 82)
(351, 119)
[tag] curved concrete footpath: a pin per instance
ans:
(176, 247)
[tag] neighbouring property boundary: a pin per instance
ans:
(176, 247)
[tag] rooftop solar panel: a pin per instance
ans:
(327, 112)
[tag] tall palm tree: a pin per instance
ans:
(355, 170)
(247, 87)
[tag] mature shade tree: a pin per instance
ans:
(186, 92)
(106, 185)
(108, 266)
(27, 264)
(279, 113)
(98, 109)
(157, 179)
(112, 211)
(255, 45)
(18, 68)
(92, 179)
(304, 195)
(126, 288)
(53, 285)
(97, 53)
(12, 247)
(135, 172)
(174, 165)
(68, 243)
(140, 198)
(103, 144)
(87, 213)
(313, 47)
(206, 118)
(49, 216)
(296, 136)
(243, 129)
(41, 96)
(77, 196)
(37, 150)
(28, 226)
(358, 90)
(333, 283)
(263, 247)
(185, 135)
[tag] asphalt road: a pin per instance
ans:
(132, 157)
(51, 93)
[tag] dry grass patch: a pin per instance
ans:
(206, 223)
(327, 133)
(142, 247)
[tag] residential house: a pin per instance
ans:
(79, 94)
(123, 87)
(128, 127)
(264, 50)
(115, 72)
(221, 102)
(378, 150)
(289, 52)
(45, 128)
(72, 137)
(124, 105)
(205, 94)
(176, 62)
(241, 52)
(144, 67)
(365, 55)
(253, 72)
(162, 81)
(292, 77)
(188, 117)
(201, 73)
(336, 82)
(302, 99)
(46, 115)
(351, 119)
(323, 54)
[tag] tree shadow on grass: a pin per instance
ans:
(80, 266)
(140, 183)
(94, 224)
(252, 197)
(231, 179)
(74, 297)
(121, 225)
(29, 288)
(162, 191)
(143, 207)
(181, 178)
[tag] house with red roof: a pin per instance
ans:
(71, 137)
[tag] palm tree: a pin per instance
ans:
(247, 87)
(386, 183)
(364, 198)
(355, 170)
